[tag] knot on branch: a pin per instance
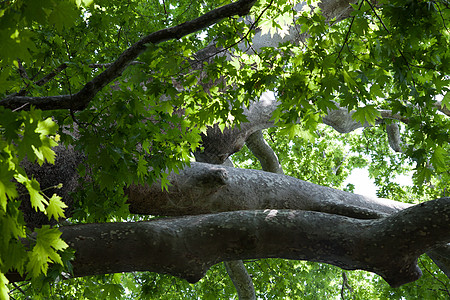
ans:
(214, 178)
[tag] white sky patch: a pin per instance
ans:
(364, 185)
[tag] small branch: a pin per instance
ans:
(22, 71)
(264, 153)
(344, 284)
(40, 82)
(241, 279)
(432, 274)
(442, 17)
(52, 74)
(348, 32)
(393, 134)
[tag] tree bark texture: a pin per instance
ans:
(206, 188)
(188, 246)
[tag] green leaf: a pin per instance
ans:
(47, 127)
(367, 114)
(55, 207)
(7, 187)
(36, 198)
(63, 15)
(349, 80)
(4, 291)
(48, 242)
(376, 91)
(446, 100)
(438, 159)
(45, 153)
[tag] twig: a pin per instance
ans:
(22, 71)
(348, 33)
(442, 17)
(42, 81)
(434, 276)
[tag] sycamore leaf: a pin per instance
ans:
(44, 153)
(438, 159)
(38, 262)
(142, 167)
(55, 207)
(376, 91)
(15, 256)
(349, 80)
(367, 114)
(7, 188)
(4, 291)
(446, 100)
(422, 174)
(10, 227)
(46, 127)
(164, 182)
(84, 3)
(292, 130)
(63, 15)
(36, 198)
(48, 242)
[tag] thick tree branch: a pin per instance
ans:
(205, 188)
(235, 268)
(218, 145)
(80, 100)
(188, 246)
(269, 162)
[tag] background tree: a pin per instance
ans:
(133, 91)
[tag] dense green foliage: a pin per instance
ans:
(392, 57)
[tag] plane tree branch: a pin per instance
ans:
(188, 246)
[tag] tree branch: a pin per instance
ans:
(393, 133)
(241, 279)
(218, 145)
(205, 188)
(264, 153)
(188, 246)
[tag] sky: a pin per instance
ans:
(364, 185)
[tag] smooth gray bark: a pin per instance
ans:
(205, 188)
(188, 246)
(241, 279)
(264, 153)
